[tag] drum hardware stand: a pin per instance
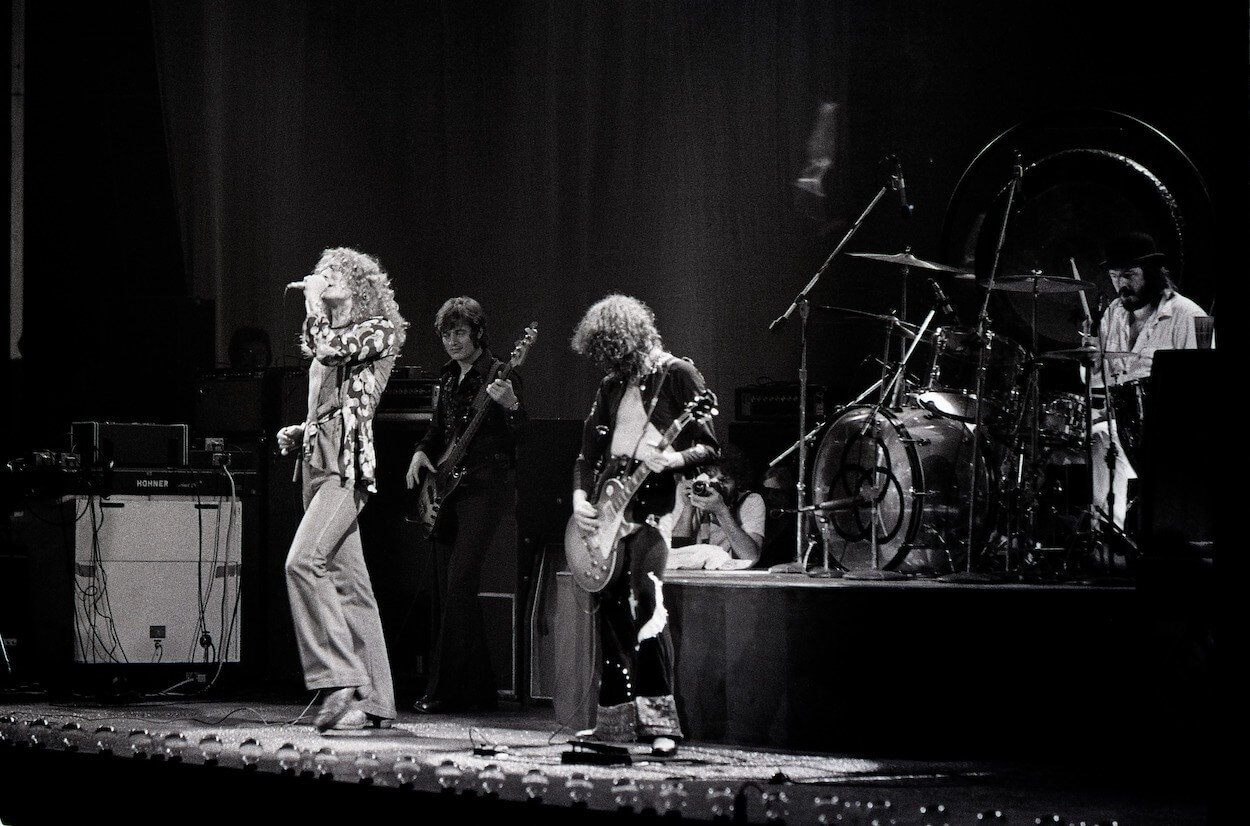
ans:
(983, 322)
(1030, 412)
(801, 304)
(1097, 516)
(889, 392)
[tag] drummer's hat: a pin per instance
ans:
(1131, 248)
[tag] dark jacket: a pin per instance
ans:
(677, 383)
(492, 452)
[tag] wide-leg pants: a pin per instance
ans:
(337, 626)
(636, 699)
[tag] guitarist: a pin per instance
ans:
(644, 391)
(460, 676)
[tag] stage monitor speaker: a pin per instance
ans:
(157, 579)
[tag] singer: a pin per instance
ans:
(352, 333)
(1148, 315)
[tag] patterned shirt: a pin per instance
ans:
(359, 359)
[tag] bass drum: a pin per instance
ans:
(915, 467)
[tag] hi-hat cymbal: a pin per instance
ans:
(1042, 284)
(1085, 354)
(906, 259)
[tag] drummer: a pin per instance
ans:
(1147, 315)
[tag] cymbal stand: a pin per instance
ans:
(874, 423)
(1031, 403)
(801, 304)
(983, 323)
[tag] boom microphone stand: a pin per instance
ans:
(801, 304)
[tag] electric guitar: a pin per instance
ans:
(593, 558)
(438, 485)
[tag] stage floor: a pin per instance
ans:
(200, 760)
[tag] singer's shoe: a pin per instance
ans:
(357, 719)
(663, 747)
(334, 707)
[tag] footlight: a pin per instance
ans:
(490, 779)
(578, 787)
(535, 784)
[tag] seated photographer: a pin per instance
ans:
(719, 524)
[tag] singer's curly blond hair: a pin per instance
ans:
(370, 287)
(618, 333)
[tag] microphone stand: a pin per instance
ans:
(983, 321)
(801, 304)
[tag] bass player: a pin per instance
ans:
(644, 391)
(460, 677)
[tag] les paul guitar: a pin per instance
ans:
(438, 485)
(593, 558)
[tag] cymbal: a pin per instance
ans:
(1085, 354)
(906, 259)
(1044, 284)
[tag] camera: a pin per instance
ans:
(704, 487)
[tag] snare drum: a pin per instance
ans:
(952, 387)
(1061, 420)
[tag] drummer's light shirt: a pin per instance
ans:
(1171, 327)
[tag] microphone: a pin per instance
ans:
(944, 303)
(900, 186)
(295, 285)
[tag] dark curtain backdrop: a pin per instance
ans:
(536, 155)
(186, 159)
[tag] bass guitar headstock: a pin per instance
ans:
(522, 347)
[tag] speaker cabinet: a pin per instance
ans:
(1178, 486)
(498, 597)
(544, 490)
(576, 667)
(156, 579)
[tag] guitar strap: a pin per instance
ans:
(479, 400)
(651, 407)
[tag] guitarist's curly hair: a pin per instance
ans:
(618, 334)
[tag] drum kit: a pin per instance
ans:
(945, 474)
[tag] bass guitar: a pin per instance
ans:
(593, 558)
(438, 485)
